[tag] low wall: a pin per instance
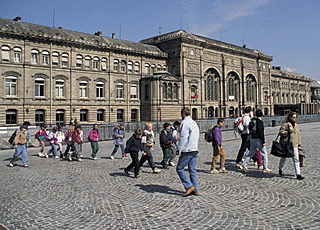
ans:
(106, 130)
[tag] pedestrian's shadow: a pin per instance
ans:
(116, 174)
(153, 188)
(258, 174)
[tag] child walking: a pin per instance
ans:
(218, 149)
(60, 139)
(166, 143)
(41, 135)
(94, 138)
(52, 137)
(133, 146)
(20, 142)
(68, 141)
(77, 142)
(118, 135)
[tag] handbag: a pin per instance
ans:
(279, 149)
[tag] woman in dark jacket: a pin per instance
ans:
(134, 146)
(290, 131)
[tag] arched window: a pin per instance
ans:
(17, 54)
(147, 68)
(175, 91)
(11, 86)
(45, 57)
(153, 68)
(100, 89)
(95, 64)
(251, 88)
(79, 61)
(169, 91)
(39, 87)
(233, 86)
(103, 64)
(55, 58)
(159, 68)
(164, 91)
(123, 66)
(34, 56)
(60, 88)
(130, 66)
(116, 65)
(83, 87)
(194, 92)
(119, 91)
(87, 61)
(5, 52)
(210, 112)
(212, 85)
(64, 60)
(136, 67)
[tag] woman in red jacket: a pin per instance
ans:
(94, 138)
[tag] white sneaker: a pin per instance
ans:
(57, 157)
(243, 168)
(10, 165)
(214, 171)
(95, 158)
(112, 157)
(238, 165)
(79, 159)
(40, 154)
(223, 170)
(46, 156)
(156, 170)
(172, 163)
(267, 170)
(260, 168)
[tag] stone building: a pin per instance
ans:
(315, 95)
(52, 75)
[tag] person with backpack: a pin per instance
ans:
(20, 142)
(290, 135)
(166, 143)
(257, 141)
(245, 143)
(94, 138)
(218, 149)
(41, 135)
(174, 130)
(68, 141)
(118, 136)
(147, 141)
(134, 146)
(12, 137)
(53, 141)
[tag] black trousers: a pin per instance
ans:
(245, 144)
(148, 157)
(134, 164)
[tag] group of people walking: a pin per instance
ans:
(180, 139)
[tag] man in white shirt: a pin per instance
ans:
(188, 148)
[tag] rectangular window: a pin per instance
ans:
(95, 65)
(83, 89)
(39, 117)
(17, 57)
(99, 90)
(5, 54)
(119, 91)
(83, 115)
(134, 115)
(11, 117)
(87, 63)
(120, 115)
(64, 61)
(45, 59)
(55, 60)
(60, 118)
(133, 91)
(100, 115)
(11, 86)
(34, 58)
(60, 88)
(104, 65)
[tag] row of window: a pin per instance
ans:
(285, 85)
(40, 88)
(285, 98)
(40, 115)
(86, 62)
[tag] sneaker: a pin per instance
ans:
(40, 154)
(81, 155)
(238, 165)
(256, 163)
(126, 172)
(243, 168)
(299, 177)
(70, 158)
(214, 171)
(267, 170)
(112, 157)
(79, 159)
(172, 163)
(25, 165)
(223, 170)
(46, 155)
(95, 158)
(156, 170)
(260, 168)
(57, 157)
(11, 164)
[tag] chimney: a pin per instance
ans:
(17, 19)
(113, 35)
(98, 33)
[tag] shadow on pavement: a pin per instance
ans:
(152, 188)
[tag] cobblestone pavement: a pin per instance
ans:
(56, 194)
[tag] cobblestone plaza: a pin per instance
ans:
(56, 194)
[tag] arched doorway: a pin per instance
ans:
(194, 114)
(216, 112)
(237, 112)
(231, 111)
(210, 112)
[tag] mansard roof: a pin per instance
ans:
(206, 42)
(33, 31)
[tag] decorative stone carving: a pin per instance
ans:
(212, 57)
(193, 67)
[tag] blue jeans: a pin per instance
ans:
(254, 145)
(190, 160)
(21, 150)
(116, 147)
(53, 150)
(295, 159)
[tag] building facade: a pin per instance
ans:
(51, 75)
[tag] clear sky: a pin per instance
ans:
(288, 30)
